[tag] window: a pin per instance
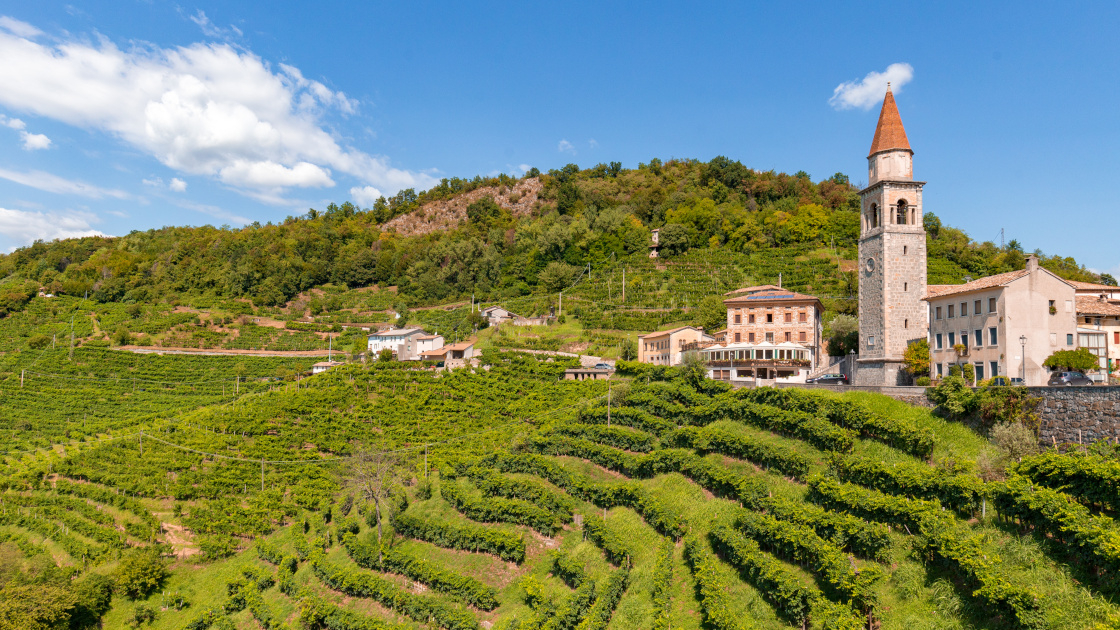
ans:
(1052, 308)
(871, 341)
(769, 318)
(937, 313)
(737, 339)
(1053, 339)
(937, 341)
(900, 214)
(874, 215)
(952, 339)
(940, 371)
(964, 338)
(950, 311)
(750, 336)
(993, 338)
(991, 305)
(903, 250)
(905, 323)
(1069, 340)
(789, 336)
(802, 317)
(964, 309)
(750, 318)
(801, 336)
(1116, 338)
(905, 286)
(976, 308)
(770, 337)
(789, 318)
(979, 371)
(738, 318)
(978, 337)
(995, 368)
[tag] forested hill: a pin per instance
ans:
(495, 238)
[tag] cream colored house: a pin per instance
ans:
(667, 346)
(1006, 324)
(1098, 329)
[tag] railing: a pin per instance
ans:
(750, 363)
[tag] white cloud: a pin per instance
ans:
(214, 211)
(866, 93)
(21, 29)
(524, 168)
(204, 109)
(177, 185)
(34, 141)
(31, 141)
(53, 183)
(365, 195)
(593, 143)
(566, 147)
(25, 226)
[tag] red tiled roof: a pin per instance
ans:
(770, 295)
(998, 280)
(1092, 286)
(1089, 305)
(889, 133)
(663, 332)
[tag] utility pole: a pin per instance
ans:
(624, 285)
(425, 461)
(560, 309)
(141, 442)
(262, 469)
(71, 337)
(608, 402)
(21, 378)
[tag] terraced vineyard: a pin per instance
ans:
(525, 501)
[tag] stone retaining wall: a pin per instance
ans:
(1072, 415)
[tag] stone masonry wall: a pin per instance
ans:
(1070, 415)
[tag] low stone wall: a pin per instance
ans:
(1072, 415)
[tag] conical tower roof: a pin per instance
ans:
(889, 134)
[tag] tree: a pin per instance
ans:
(556, 276)
(38, 342)
(1106, 278)
(385, 356)
(1080, 360)
(140, 572)
(916, 358)
(629, 351)
(36, 607)
(673, 239)
(843, 335)
(375, 474)
(483, 212)
(711, 314)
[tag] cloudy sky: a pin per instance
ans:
(131, 114)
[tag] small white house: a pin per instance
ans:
(323, 366)
(403, 342)
(425, 343)
(497, 315)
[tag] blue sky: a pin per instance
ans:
(134, 114)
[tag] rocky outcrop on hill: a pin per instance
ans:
(446, 214)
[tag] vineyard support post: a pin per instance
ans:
(71, 358)
(262, 474)
(425, 461)
(141, 442)
(608, 403)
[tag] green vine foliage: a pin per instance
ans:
(662, 586)
(499, 510)
(712, 587)
(769, 456)
(506, 545)
(1092, 479)
(610, 593)
(618, 437)
(957, 490)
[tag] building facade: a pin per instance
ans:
(1098, 329)
(666, 347)
(770, 314)
(1006, 324)
(783, 362)
(892, 255)
(403, 342)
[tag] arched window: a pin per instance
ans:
(874, 215)
(902, 215)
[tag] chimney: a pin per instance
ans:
(1032, 263)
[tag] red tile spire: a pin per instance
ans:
(889, 134)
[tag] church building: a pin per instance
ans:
(892, 255)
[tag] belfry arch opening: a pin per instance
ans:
(874, 215)
(902, 212)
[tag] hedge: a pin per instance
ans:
(713, 589)
(496, 510)
(803, 547)
(493, 484)
(816, 431)
(866, 539)
(769, 456)
(628, 417)
(466, 537)
(613, 588)
(901, 434)
(568, 569)
(958, 491)
(662, 586)
(1091, 479)
(623, 438)
(1091, 539)
(615, 548)
(417, 607)
(460, 587)
(316, 614)
(942, 541)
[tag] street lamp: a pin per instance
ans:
(1023, 356)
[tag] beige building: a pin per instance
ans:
(1098, 329)
(770, 314)
(666, 347)
(763, 362)
(1006, 324)
(892, 255)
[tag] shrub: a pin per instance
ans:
(953, 396)
(141, 572)
(1015, 439)
(968, 371)
(1080, 360)
(38, 342)
(999, 405)
(142, 615)
(923, 381)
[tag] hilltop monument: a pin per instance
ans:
(892, 255)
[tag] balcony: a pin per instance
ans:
(765, 363)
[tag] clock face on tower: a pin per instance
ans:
(870, 265)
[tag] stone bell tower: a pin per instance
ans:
(892, 255)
